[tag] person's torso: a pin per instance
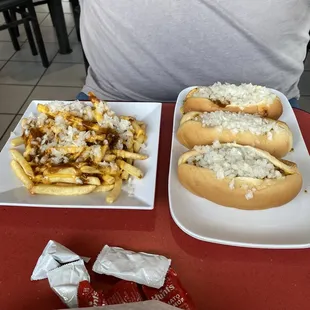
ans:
(150, 50)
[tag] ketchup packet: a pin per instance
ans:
(171, 292)
(88, 297)
(121, 293)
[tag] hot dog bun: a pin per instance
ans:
(198, 128)
(245, 191)
(245, 98)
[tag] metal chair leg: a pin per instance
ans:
(76, 9)
(28, 30)
(60, 26)
(50, 8)
(38, 34)
(14, 18)
(76, 14)
(12, 33)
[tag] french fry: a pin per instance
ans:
(128, 118)
(63, 184)
(20, 173)
(132, 170)
(141, 139)
(93, 139)
(125, 154)
(142, 125)
(41, 169)
(78, 122)
(136, 146)
(62, 178)
(28, 151)
(91, 126)
(17, 141)
(138, 130)
(138, 142)
(68, 170)
(124, 175)
(115, 192)
(70, 149)
(129, 144)
(97, 115)
(75, 156)
(103, 188)
(90, 170)
(108, 179)
(96, 102)
(109, 171)
(42, 108)
(56, 190)
(38, 178)
(92, 181)
(109, 157)
(23, 162)
(103, 149)
(92, 97)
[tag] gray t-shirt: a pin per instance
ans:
(150, 50)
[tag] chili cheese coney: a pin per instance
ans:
(202, 128)
(246, 98)
(238, 176)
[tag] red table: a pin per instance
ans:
(217, 277)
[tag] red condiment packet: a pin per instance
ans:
(123, 292)
(171, 292)
(88, 297)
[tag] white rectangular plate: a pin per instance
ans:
(286, 227)
(13, 194)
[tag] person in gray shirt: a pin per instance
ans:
(149, 50)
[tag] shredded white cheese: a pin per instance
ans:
(239, 95)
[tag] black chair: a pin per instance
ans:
(58, 19)
(26, 9)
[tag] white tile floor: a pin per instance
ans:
(23, 78)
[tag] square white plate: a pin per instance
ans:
(12, 193)
(285, 227)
